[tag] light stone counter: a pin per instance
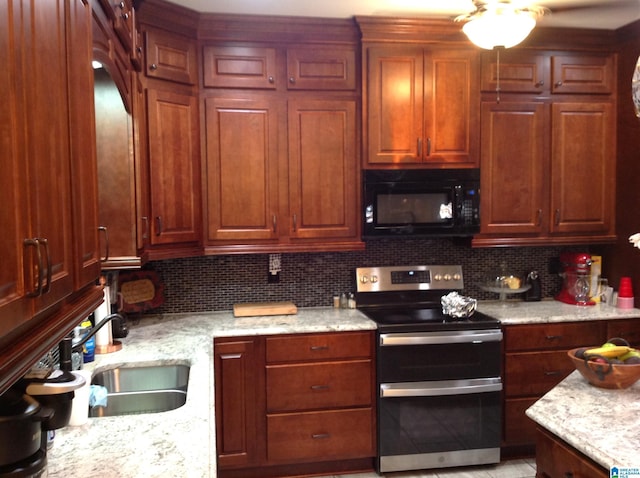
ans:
(180, 442)
(603, 424)
(548, 311)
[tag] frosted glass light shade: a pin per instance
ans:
(499, 28)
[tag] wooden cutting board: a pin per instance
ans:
(264, 308)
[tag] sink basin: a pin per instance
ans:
(142, 389)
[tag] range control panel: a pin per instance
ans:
(399, 278)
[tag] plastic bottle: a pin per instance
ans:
(89, 348)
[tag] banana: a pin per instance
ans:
(611, 351)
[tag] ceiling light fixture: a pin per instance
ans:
(499, 23)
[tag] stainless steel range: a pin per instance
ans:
(438, 377)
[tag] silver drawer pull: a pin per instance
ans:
(554, 337)
(317, 348)
(320, 436)
(319, 387)
(552, 373)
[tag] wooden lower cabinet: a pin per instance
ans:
(535, 361)
(557, 459)
(295, 405)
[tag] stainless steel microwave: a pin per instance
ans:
(421, 202)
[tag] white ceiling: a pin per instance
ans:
(601, 14)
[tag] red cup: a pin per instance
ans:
(625, 289)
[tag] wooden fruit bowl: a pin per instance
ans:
(606, 375)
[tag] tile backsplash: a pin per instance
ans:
(214, 283)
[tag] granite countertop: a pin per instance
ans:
(180, 442)
(549, 311)
(603, 424)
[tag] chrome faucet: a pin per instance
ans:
(66, 346)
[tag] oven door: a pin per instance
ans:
(442, 355)
(439, 424)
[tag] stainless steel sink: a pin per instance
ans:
(142, 389)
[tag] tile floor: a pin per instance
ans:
(509, 469)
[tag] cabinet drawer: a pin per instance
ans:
(298, 348)
(591, 74)
(535, 373)
(628, 329)
(319, 385)
(519, 429)
(320, 435)
(554, 336)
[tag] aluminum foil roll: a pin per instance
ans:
(459, 306)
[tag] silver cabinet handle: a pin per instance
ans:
(320, 436)
(317, 348)
(158, 225)
(295, 223)
(145, 231)
(539, 222)
(319, 387)
(106, 243)
(428, 146)
(558, 84)
(274, 221)
(292, 80)
(272, 80)
(419, 147)
(540, 83)
(36, 244)
(557, 217)
(153, 67)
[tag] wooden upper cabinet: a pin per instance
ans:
(308, 68)
(170, 56)
(174, 162)
(520, 71)
(422, 106)
(528, 71)
(583, 73)
(321, 68)
(83, 143)
(240, 67)
(513, 167)
(242, 169)
(323, 169)
(49, 239)
(583, 167)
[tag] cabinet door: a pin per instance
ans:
(555, 458)
(583, 168)
(394, 116)
(83, 143)
(238, 393)
(513, 167)
(321, 68)
(242, 169)
(170, 57)
(323, 166)
(174, 159)
(452, 122)
(580, 73)
(240, 67)
(14, 305)
(46, 139)
(520, 71)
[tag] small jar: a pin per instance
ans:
(344, 301)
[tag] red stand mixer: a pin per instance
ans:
(576, 274)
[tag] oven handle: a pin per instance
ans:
(447, 337)
(441, 387)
